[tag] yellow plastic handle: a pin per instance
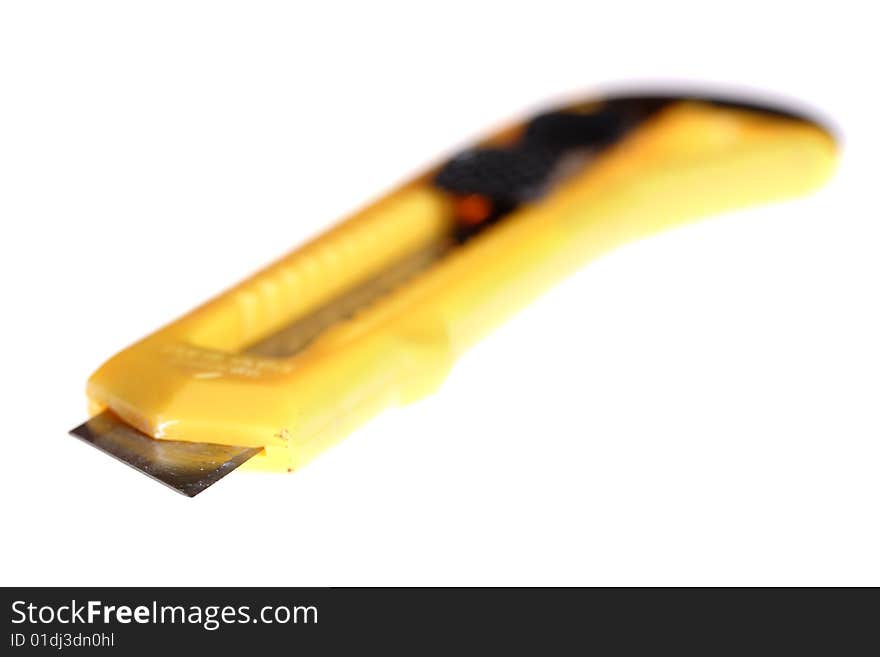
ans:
(195, 380)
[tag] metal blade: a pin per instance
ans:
(188, 468)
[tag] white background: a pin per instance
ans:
(699, 408)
